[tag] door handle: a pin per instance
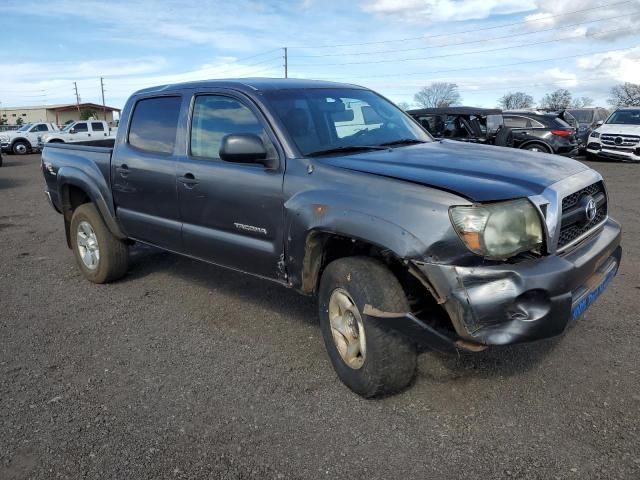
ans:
(189, 180)
(123, 170)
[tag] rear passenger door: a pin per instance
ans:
(143, 173)
(81, 132)
(97, 130)
(232, 213)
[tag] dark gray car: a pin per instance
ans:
(330, 189)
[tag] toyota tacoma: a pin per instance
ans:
(409, 243)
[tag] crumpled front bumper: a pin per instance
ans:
(528, 300)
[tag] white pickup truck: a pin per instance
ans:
(27, 138)
(81, 131)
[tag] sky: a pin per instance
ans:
(486, 47)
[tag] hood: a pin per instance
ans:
(477, 172)
(619, 128)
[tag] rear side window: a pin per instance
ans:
(97, 127)
(80, 127)
(154, 124)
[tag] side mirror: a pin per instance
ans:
(599, 123)
(73, 130)
(244, 148)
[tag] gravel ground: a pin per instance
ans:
(185, 370)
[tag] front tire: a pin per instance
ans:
(20, 148)
(101, 257)
(368, 358)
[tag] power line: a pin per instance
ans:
(482, 40)
(484, 67)
(546, 18)
(542, 42)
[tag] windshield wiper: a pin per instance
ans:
(346, 149)
(402, 141)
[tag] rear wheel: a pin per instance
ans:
(20, 148)
(537, 147)
(369, 359)
(101, 257)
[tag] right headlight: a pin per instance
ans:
(498, 230)
(595, 135)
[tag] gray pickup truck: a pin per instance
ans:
(330, 189)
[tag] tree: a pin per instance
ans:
(3, 121)
(87, 113)
(625, 95)
(19, 121)
(403, 105)
(582, 102)
(515, 101)
(558, 100)
(438, 94)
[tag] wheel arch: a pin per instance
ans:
(76, 188)
(538, 142)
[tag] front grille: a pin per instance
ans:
(620, 140)
(574, 222)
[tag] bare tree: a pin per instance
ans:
(558, 100)
(403, 105)
(625, 95)
(582, 102)
(438, 94)
(515, 101)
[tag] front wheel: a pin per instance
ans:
(101, 257)
(20, 148)
(369, 359)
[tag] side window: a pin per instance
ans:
(515, 122)
(154, 124)
(214, 117)
(80, 127)
(533, 123)
(97, 127)
(43, 128)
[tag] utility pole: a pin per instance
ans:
(104, 109)
(75, 86)
(286, 63)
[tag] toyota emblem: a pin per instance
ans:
(591, 210)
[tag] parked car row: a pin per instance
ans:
(32, 136)
(569, 132)
(528, 130)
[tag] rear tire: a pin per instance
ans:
(20, 148)
(537, 147)
(387, 363)
(101, 257)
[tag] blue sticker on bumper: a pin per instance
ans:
(583, 304)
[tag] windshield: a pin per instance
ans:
(625, 117)
(24, 128)
(582, 116)
(338, 119)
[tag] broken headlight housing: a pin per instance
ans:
(498, 230)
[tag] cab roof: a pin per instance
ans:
(249, 84)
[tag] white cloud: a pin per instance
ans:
(446, 10)
(625, 16)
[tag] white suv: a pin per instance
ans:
(618, 138)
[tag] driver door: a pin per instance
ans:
(232, 213)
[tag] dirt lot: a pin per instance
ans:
(185, 370)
